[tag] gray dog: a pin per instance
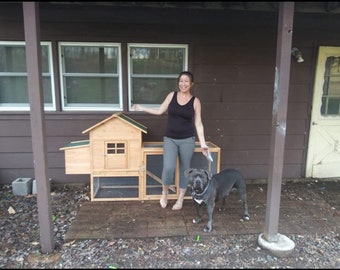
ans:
(209, 189)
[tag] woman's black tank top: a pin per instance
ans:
(180, 123)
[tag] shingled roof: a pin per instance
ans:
(123, 117)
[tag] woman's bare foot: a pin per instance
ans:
(178, 205)
(164, 200)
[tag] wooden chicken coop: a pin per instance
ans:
(121, 166)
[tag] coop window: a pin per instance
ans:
(116, 148)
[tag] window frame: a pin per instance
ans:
(330, 78)
(50, 74)
(96, 106)
(152, 45)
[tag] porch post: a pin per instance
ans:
(35, 93)
(279, 244)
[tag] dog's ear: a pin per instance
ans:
(188, 172)
(208, 174)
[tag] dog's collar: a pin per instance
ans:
(198, 196)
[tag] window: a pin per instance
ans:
(153, 71)
(331, 87)
(90, 76)
(116, 148)
(13, 77)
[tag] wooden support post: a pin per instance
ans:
(35, 91)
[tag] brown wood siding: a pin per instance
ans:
(232, 56)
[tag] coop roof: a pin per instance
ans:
(123, 117)
(76, 144)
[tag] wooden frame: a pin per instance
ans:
(149, 181)
(121, 166)
(156, 149)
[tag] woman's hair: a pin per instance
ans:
(187, 73)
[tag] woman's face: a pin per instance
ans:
(185, 83)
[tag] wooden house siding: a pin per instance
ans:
(232, 56)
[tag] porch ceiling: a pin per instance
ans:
(302, 7)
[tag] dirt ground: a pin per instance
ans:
(143, 235)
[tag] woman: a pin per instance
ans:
(184, 116)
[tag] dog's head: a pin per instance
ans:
(198, 179)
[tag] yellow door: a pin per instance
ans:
(323, 155)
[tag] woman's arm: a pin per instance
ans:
(157, 111)
(199, 127)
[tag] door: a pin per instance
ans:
(116, 155)
(323, 156)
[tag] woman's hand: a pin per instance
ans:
(136, 107)
(205, 150)
(206, 153)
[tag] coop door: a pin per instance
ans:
(116, 155)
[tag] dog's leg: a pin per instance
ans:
(245, 206)
(242, 192)
(210, 212)
(198, 218)
(222, 208)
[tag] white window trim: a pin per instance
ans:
(155, 45)
(26, 106)
(94, 106)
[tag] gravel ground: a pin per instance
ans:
(19, 232)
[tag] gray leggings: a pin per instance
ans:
(184, 149)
